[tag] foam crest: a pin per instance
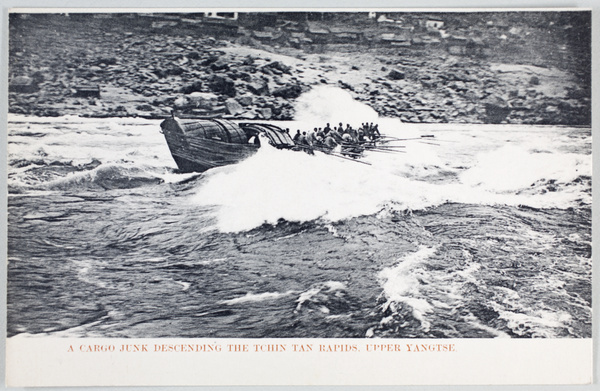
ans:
(401, 283)
(274, 184)
(256, 297)
(511, 168)
(80, 140)
(540, 322)
(332, 105)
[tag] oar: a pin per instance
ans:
(351, 159)
(351, 153)
(385, 151)
(334, 154)
(385, 146)
(370, 148)
(411, 138)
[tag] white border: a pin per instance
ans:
(593, 4)
(50, 362)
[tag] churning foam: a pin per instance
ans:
(512, 168)
(401, 283)
(275, 184)
(256, 297)
(80, 140)
(332, 105)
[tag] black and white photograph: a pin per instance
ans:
(345, 175)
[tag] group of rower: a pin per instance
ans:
(327, 138)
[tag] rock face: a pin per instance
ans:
(148, 72)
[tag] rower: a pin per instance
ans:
(367, 130)
(375, 135)
(361, 136)
(312, 137)
(330, 142)
(302, 139)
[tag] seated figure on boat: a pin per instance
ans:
(352, 141)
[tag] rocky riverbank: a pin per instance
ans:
(111, 66)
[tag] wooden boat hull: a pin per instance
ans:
(200, 145)
(212, 156)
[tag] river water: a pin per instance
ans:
(479, 231)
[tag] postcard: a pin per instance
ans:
(299, 197)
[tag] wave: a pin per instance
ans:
(256, 297)
(332, 105)
(401, 284)
(274, 185)
(64, 151)
(92, 176)
(512, 168)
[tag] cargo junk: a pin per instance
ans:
(199, 145)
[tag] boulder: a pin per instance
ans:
(233, 107)
(203, 100)
(266, 70)
(534, 81)
(247, 115)
(249, 60)
(195, 86)
(265, 113)
(87, 91)
(209, 60)
(145, 107)
(428, 83)
(258, 87)
(245, 100)
(24, 84)
(244, 76)
(577, 93)
(345, 85)
(496, 109)
(181, 102)
(222, 85)
(288, 92)
(174, 71)
(458, 86)
(395, 74)
(279, 66)
(219, 65)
